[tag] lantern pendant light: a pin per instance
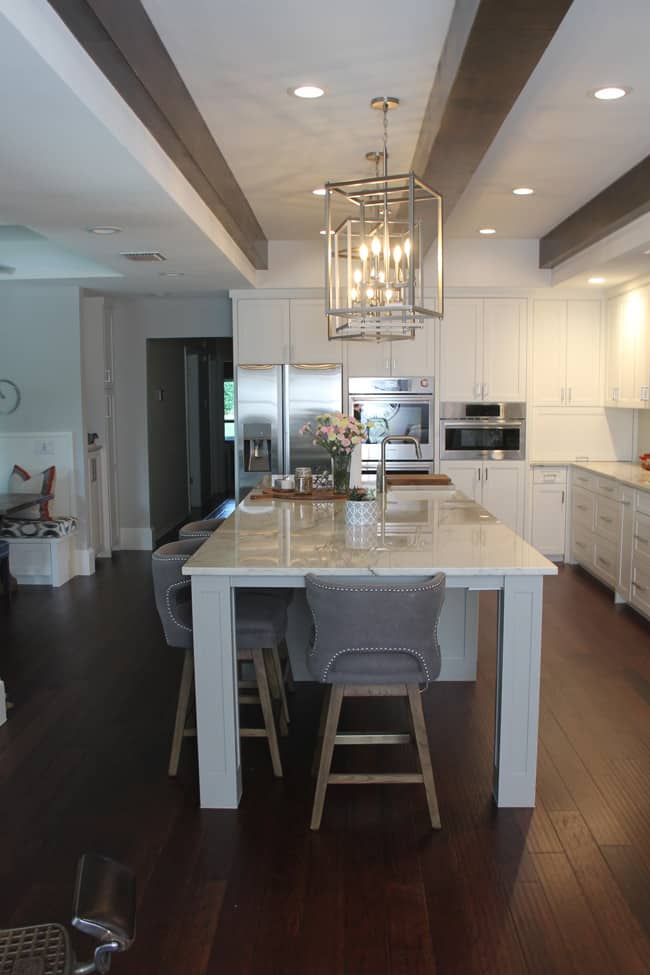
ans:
(374, 287)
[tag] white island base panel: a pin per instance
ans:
(517, 697)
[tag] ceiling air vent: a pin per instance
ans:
(143, 256)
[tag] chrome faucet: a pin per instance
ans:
(380, 486)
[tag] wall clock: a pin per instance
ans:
(9, 396)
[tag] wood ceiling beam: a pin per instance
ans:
(491, 50)
(614, 207)
(123, 43)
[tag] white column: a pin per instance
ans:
(519, 645)
(217, 712)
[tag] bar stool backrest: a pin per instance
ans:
(372, 632)
(173, 590)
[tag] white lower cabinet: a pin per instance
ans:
(549, 510)
(598, 527)
(497, 485)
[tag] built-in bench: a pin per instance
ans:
(42, 553)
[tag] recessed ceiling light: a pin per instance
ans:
(597, 280)
(486, 231)
(104, 231)
(307, 91)
(610, 93)
(319, 191)
(523, 191)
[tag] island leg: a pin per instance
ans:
(519, 643)
(215, 672)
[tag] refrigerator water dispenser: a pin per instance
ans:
(257, 447)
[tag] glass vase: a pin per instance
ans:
(341, 472)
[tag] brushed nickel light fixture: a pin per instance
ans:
(374, 276)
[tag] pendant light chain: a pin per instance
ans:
(385, 138)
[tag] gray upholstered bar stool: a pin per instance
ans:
(200, 529)
(374, 639)
(261, 623)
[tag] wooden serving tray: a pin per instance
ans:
(411, 479)
(318, 494)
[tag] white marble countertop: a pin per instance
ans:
(421, 530)
(626, 472)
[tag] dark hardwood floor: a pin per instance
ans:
(565, 888)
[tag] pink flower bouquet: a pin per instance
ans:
(336, 432)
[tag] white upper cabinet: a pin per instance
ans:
(262, 330)
(549, 352)
(566, 352)
(628, 366)
(583, 367)
(309, 341)
(461, 334)
(408, 357)
(504, 349)
(483, 349)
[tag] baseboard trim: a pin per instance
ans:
(136, 539)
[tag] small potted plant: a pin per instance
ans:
(361, 507)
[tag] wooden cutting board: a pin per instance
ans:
(318, 494)
(403, 480)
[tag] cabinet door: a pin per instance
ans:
(583, 353)
(107, 328)
(262, 331)
(503, 492)
(549, 518)
(504, 349)
(368, 358)
(629, 323)
(549, 352)
(309, 341)
(467, 477)
(641, 359)
(613, 352)
(414, 357)
(461, 349)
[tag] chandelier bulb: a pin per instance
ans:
(363, 252)
(357, 276)
(376, 246)
(407, 247)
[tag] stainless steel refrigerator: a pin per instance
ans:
(273, 402)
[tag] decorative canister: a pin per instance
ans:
(360, 512)
(304, 480)
(360, 536)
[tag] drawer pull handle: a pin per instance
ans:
(579, 544)
(608, 521)
(640, 538)
(582, 507)
(604, 561)
(640, 588)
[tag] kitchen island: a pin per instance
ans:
(422, 530)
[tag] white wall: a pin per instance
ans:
(167, 454)
(468, 263)
(134, 321)
(40, 350)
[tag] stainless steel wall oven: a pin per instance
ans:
(482, 431)
(396, 406)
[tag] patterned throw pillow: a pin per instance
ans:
(22, 482)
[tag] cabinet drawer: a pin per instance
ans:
(641, 537)
(641, 589)
(643, 501)
(609, 489)
(583, 545)
(584, 508)
(608, 518)
(606, 560)
(584, 479)
(549, 475)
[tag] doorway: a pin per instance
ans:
(190, 431)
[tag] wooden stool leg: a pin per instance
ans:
(422, 742)
(321, 729)
(287, 673)
(275, 687)
(267, 710)
(278, 670)
(181, 711)
(331, 724)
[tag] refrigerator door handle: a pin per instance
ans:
(285, 445)
(311, 367)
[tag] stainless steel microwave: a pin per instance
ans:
(482, 431)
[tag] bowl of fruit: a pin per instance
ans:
(645, 461)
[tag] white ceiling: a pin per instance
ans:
(239, 59)
(62, 170)
(66, 163)
(558, 140)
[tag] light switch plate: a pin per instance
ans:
(44, 447)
